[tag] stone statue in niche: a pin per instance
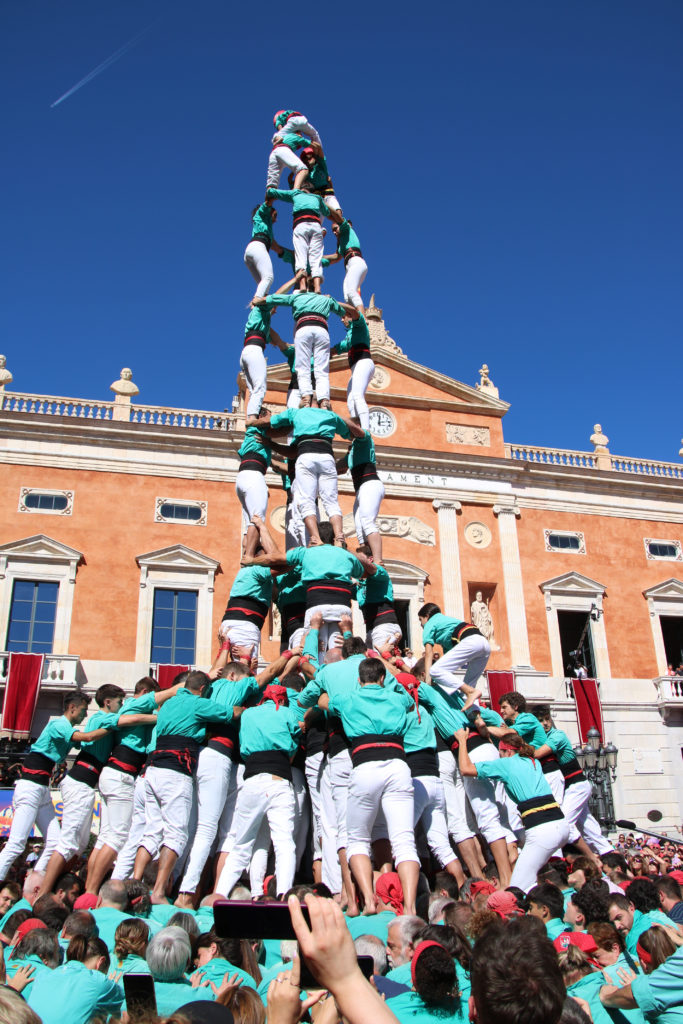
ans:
(480, 616)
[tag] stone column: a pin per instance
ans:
(514, 591)
(450, 557)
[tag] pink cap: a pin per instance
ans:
(88, 901)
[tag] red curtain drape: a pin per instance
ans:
(21, 694)
(588, 707)
(499, 683)
(167, 673)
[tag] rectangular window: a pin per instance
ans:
(32, 617)
(174, 626)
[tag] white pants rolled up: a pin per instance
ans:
(366, 508)
(117, 791)
(241, 634)
(556, 782)
(281, 157)
(361, 375)
(380, 636)
(540, 843)
(259, 263)
(456, 800)
(255, 369)
(340, 780)
(252, 491)
(217, 779)
(78, 802)
(385, 784)
(311, 341)
(356, 269)
(329, 633)
(262, 795)
(472, 654)
(32, 805)
(307, 242)
(430, 809)
(123, 868)
(293, 398)
(481, 794)
(316, 475)
(168, 808)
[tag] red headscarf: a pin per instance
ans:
(482, 886)
(27, 926)
(278, 695)
(412, 684)
(504, 904)
(419, 950)
(643, 955)
(389, 889)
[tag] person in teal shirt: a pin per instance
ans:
(250, 484)
(435, 994)
(375, 719)
(292, 131)
(38, 950)
(218, 960)
(463, 647)
(319, 176)
(546, 902)
(257, 252)
(307, 237)
(631, 923)
(357, 345)
(376, 602)
(658, 995)
(32, 802)
(79, 990)
(248, 605)
(513, 708)
(348, 249)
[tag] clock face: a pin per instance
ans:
(382, 423)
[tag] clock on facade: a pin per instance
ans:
(382, 423)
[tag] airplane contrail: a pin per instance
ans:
(104, 65)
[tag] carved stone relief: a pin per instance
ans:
(406, 527)
(380, 379)
(457, 433)
(477, 535)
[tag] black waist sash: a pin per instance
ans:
(573, 772)
(292, 617)
(549, 764)
(311, 443)
(328, 592)
(423, 762)
(126, 760)
(539, 810)
(351, 253)
(254, 461)
(261, 236)
(86, 768)
(315, 739)
(177, 753)
(441, 743)
(465, 629)
(246, 609)
(474, 740)
(268, 762)
(376, 747)
(225, 740)
(306, 215)
(255, 338)
(362, 473)
(337, 738)
(358, 352)
(310, 320)
(379, 614)
(37, 768)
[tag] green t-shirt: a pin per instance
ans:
(254, 581)
(267, 727)
(376, 589)
(347, 238)
(255, 441)
(304, 422)
(303, 202)
(439, 629)
(523, 778)
(324, 562)
(187, 714)
(372, 710)
(303, 303)
(55, 740)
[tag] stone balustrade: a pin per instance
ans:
(669, 689)
(590, 460)
(60, 671)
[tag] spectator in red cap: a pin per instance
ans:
(504, 904)
(88, 901)
(36, 949)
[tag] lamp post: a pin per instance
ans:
(599, 764)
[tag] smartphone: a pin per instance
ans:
(140, 998)
(309, 980)
(242, 919)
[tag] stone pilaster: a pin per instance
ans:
(450, 557)
(512, 579)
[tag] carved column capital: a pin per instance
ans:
(440, 503)
(509, 509)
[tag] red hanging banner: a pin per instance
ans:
(588, 707)
(167, 673)
(499, 683)
(21, 694)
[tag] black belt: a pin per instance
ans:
(268, 762)
(126, 760)
(337, 738)
(549, 764)
(474, 740)
(358, 352)
(293, 617)
(176, 753)
(311, 444)
(86, 769)
(37, 768)
(255, 339)
(328, 592)
(362, 473)
(464, 630)
(573, 772)
(310, 319)
(225, 740)
(253, 461)
(260, 236)
(376, 747)
(293, 382)
(539, 810)
(306, 216)
(423, 762)
(350, 253)
(315, 739)
(381, 613)
(246, 609)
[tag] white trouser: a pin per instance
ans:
(307, 240)
(296, 534)
(540, 843)
(168, 808)
(456, 800)
(117, 792)
(556, 782)
(314, 777)
(32, 806)
(257, 259)
(576, 809)
(79, 801)
(299, 124)
(316, 474)
(340, 769)
(218, 779)
(510, 817)
(313, 341)
(430, 809)
(481, 794)
(331, 202)
(380, 636)
(259, 856)
(329, 633)
(472, 654)
(281, 157)
(385, 784)
(255, 369)
(241, 634)
(252, 491)
(356, 269)
(331, 869)
(126, 858)
(590, 830)
(273, 797)
(293, 398)
(369, 497)
(359, 382)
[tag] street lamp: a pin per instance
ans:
(600, 766)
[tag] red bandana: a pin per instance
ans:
(278, 695)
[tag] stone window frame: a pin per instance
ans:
(203, 506)
(25, 491)
(664, 598)
(678, 557)
(576, 593)
(581, 550)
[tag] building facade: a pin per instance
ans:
(120, 537)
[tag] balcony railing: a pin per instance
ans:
(60, 671)
(591, 460)
(669, 689)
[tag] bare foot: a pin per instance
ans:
(157, 900)
(314, 542)
(472, 698)
(352, 910)
(370, 907)
(185, 901)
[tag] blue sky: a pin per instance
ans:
(513, 170)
